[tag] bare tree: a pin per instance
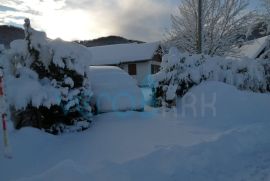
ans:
(223, 21)
(264, 17)
(266, 6)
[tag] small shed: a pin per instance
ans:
(114, 90)
(138, 59)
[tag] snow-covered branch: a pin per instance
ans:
(224, 21)
(179, 72)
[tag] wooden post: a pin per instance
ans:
(7, 152)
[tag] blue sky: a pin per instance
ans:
(145, 20)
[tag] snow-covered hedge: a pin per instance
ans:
(47, 83)
(181, 71)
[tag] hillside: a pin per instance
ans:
(109, 40)
(10, 33)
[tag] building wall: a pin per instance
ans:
(143, 71)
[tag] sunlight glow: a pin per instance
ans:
(66, 24)
(70, 25)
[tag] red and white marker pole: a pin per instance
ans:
(7, 152)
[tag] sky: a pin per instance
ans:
(145, 20)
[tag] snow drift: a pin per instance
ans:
(114, 90)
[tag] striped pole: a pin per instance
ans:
(7, 152)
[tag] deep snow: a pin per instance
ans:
(227, 142)
(120, 93)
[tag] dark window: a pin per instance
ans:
(154, 69)
(132, 69)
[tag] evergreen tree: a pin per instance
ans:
(61, 69)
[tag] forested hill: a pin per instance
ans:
(109, 40)
(10, 33)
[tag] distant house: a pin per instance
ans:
(138, 59)
(258, 48)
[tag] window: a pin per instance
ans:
(154, 69)
(132, 69)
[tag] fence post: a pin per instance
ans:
(7, 152)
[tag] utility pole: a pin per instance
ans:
(199, 28)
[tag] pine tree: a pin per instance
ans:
(64, 72)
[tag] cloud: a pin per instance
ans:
(137, 19)
(86, 19)
(5, 8)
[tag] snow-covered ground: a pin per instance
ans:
(216, 133)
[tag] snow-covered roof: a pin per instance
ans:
(122, 53)
(251, 49)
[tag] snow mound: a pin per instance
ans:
(115, 90)
(218, 104)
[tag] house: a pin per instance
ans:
(258, 48)
(114, 90)
(138, 59)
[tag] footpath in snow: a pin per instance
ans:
(197, 142)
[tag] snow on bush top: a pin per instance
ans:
(76, 57)
(28, 87)
(180, 71)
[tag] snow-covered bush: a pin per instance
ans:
(47, 83)
(180, 71)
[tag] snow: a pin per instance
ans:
(63, 54)
(23, 85)
(19, 46)
(2, 48)
(147, 94)
(155, 145)
(69, 81)
(27, 88)
(122, 53)
(180, 71)
(238, 155)
(251, 49)
(115, 90)
(77, 57)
